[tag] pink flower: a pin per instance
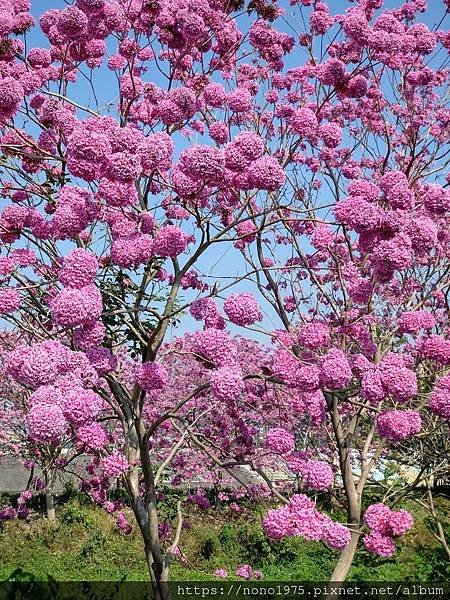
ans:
(218, 131)
(80, 406)
(9, 300)
(337, 536)
(215, 346)
(46, 423)
(320, 19)
(72, 307)
(227, 383)
(266, 173)
(316, 474)
(89, 336)
(396, 190)
(242, 309)
(205, 309)
(132, 250)
(434, 348)
(398, 381)
(336, 370)
(314, 335)
(79, 268)
(439, 401)
(102, 360)
(380, 544)
(72, 23)
(279, 440)
(397, 425)
(114, 465)
(202, 163)
(300, 518)
(92, 436)
(123, 524)
(244, 571)
(436, 199)
(152, 376)
(414, 320)
(400, 522)
(330, 134)
(222, 573)
(170, 241)
(11, 95)
(304, 122)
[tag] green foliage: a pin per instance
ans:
(210, 547)
(72, 513)
(256, 546)
(168, 505)
(119, 493)
(228, 537)
(70, 493)
(84, 544)
(95, 544)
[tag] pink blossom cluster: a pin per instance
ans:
(215, 346)
(170, 241)
(79, 405)
(392, 377)
(152, 376)
(266, 174)
(9, 300)
(439, 400)
(336, 371)
(72, 306)
(205, 309)
(46, 423)
(78, 269)
(89, 336)
(397, 425)
(221, 573)
(314, 335)
(415, 320)
(123, 524)
(227, 383)
(384, 525)
(242, 309)
(316, 474)
(43, 362)
(300, 518)
(271, 44)
(435, 348)
(114, 465)
(247, 572)
(133, 250)
(74, 211)
(92, 436)
(279, 440)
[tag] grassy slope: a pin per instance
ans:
(86, 545)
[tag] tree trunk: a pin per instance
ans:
(353, 494)
(345, 560)
(50, 506)
(158, 576)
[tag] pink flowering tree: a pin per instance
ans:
(356, 266)
(241, 172)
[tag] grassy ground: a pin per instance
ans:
(84, 544)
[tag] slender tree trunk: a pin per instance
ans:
(440, 535)
(158, 576)
(353, 496)
(345, 561)
(50, 505)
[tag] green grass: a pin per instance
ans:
(85, 545)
